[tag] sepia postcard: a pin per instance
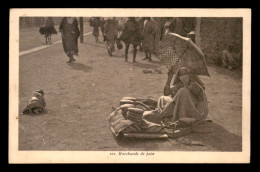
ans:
(129, 85)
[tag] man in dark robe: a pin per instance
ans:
(131, 35)
(70, 33)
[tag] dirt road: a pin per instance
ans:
(80, 96)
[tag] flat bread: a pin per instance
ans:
(126, 102)
(136, 110)
(129, 98)
(126, 106)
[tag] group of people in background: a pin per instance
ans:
(144, 33)
(110, 29)
(140, 33)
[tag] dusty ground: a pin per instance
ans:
(79, 98)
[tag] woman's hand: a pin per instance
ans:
(170, 75)
(167, 90)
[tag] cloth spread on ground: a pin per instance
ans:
(119, 122)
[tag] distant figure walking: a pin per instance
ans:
(70, 33)
(131, 35)
(95, 23)
(111, 33)
(48, 29)
(149, 33)
(102, 23)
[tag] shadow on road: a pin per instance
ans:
(39, 114)
(99, 45)
(209, 134)
(156, 62)
(80, 66)
(139, 144)
(146, 65)
(214, 135)
(235, 74)
(117, 56)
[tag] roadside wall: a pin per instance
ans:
(213, 35)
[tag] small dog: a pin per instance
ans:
(36, 104)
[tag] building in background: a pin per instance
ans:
(214, 34)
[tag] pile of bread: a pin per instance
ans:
(131, 111)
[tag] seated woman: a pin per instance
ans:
(231, 57)
(184, 98)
